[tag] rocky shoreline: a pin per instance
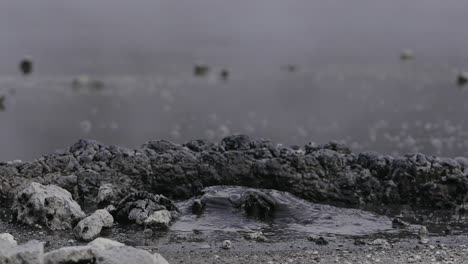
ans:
(90, 187)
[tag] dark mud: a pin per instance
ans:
(328, 173)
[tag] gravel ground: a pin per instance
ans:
(201, 247)
(451, 249)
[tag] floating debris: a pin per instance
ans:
(84, 81)
(201, 70)
(462, 78)
(224, 74)
(2, 103)
(85, 126)
(406, 55)
(290, 68)
(26, 65)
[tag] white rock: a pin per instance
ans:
(29, 253)
(226, 244)
(8, 237)
(47, 205)
(161, 218)
(90, 227)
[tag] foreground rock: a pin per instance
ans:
(318, 173)
(29, 253)
(46, 205)
(102, 251)
(90, 227)
(98, 251)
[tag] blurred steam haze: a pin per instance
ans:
(350, 84)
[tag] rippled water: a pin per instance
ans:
(293, 217)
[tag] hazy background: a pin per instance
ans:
(350, 84)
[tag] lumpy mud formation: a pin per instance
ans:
(329, 173)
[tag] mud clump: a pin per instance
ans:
(46, 205)
(318, 173)
(146, 208)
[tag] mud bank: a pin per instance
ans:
(329, 173)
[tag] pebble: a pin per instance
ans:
(226, 244)
(318, 240)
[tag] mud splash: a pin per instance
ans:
(294, 216)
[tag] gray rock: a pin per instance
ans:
(159, 219)
(47, 205)
(29, 253)
(90, 227)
